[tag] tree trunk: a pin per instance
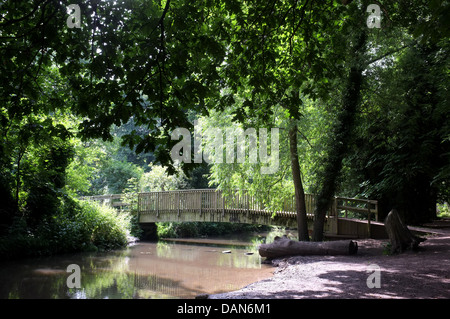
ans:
(283, 247)
(300, 205)
(400, 236)
(337, 150)
(19, 159)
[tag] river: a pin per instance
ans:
(155, 270)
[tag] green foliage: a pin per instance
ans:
(135, 228)
(114, 176)
(400, 152)
(443, 210)
(166, 230)
(155, 180)
(105, 227)
(35, 153)
(158, 179)
(99, 168)
(75, 226)
(201, 229)
(247, 176)
(72, 99)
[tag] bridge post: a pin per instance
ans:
(335, 216)
(223, 204)
(157, 204)
(200, 198)
(178, 204)
(248, 204)
(376, 210)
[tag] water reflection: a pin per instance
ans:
(146, 270)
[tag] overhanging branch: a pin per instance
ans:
(388, 54)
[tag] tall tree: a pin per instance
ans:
(342, 134)
(300, 204)
(278, 53)
(403, 154)
(155, 61)
(396, 17)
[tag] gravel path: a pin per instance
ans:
(421, 274)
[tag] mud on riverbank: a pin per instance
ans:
(419, 274)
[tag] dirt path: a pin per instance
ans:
(421, 274)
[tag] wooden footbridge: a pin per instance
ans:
(347, 217)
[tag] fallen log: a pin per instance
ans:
(283, 246)
(400, 236)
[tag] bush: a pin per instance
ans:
(103, 226)
(200, 229)
(443, 210)
(85, 225)
(77, 226)
(166, 230)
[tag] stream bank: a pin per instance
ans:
(421, 274)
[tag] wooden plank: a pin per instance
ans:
(354, 209)
(238, 202)
(100, 197)
(359, 200)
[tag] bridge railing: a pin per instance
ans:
(241, 206)
(365, 207)
(362, 209)
(212, 200)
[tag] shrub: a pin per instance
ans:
(443, 210)
(103, 226)
(76, 226)
(166, 230)
(85, 225)
(199, 229)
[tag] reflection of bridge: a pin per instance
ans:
(210, 205)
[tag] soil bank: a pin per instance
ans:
(412, 274)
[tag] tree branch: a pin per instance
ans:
(12, 21)
(162, 68)
(305, 138)
(299, 22)
(387, 54)
(41, 23)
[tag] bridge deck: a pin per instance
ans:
(210, 205)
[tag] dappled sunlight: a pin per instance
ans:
(128, 120)
(421, 274)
